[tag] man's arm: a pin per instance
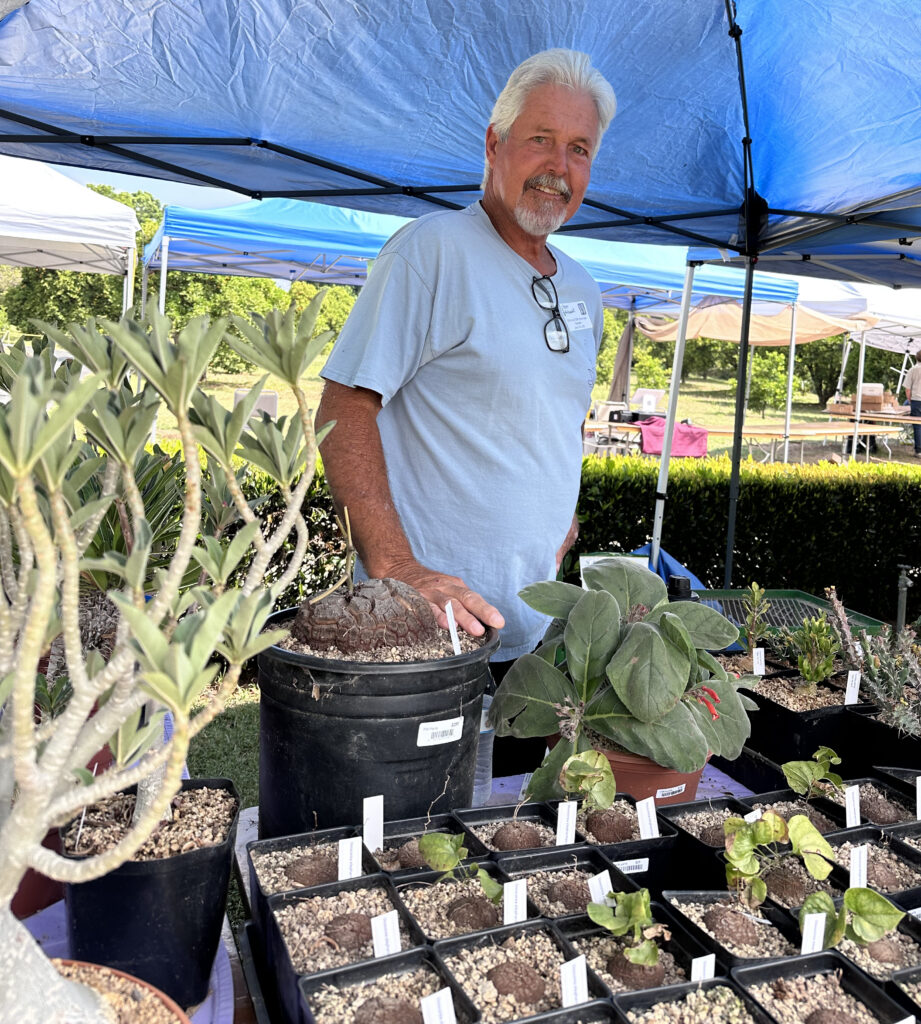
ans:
(356, 470)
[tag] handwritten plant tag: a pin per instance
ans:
(813, 933)
(566, 822)
(372, 821)
(703, 967)
(438, 1008)
(349, 858)
(385, 933)
(852, 693)
(753, 816)
(758, 661)
(452, 627)
(859, 867)
(646, 816)
(515, 901)
(918, 797)
(574, 981)
(852, 806)
(599, 886)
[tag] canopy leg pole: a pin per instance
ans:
(860, 364)
(164, 257)
(739, 419)
(902, 371)
(144, 272)
(128, 293)
(845, 355)
(790, 358)
(670, 417)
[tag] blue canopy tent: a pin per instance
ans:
(751, 127)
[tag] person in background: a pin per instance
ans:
(461, 379)
(912, 385)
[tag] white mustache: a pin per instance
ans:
(550, 181)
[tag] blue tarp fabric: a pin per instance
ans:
(669, 566)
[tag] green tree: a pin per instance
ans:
(769, 379)
(615, 320)
(704, 357)
(336, 306)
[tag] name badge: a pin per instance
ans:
(576, 315)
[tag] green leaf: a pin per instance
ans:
(756, 894)
(811, 845)
(589, 773)
(769, 828)
(706, 627)
(552, 597)
(441, 851)
(822, 903)
(492, 889)
(590, 638)
(646, 953)
(648, 674)
(604, 916)
(826, 754)
(802, 775)
(628, 580)
(525, 701)
(872, 914)
(545, 782)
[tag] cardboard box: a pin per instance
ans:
(847, 407)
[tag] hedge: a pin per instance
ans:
(797, 527)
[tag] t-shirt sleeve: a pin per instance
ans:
(385, 339)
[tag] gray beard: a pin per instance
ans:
(539, 222)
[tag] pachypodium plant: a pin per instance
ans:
(622, 667)
(755, 848)
(756, 607)
(446, 853)
(632, 914)
(812, 778)
(865, 916)
(71, 444)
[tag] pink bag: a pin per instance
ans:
(687, 439)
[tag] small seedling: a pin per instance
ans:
(753, 849)
(865, 916)
(589, 778)
(631, 913)
(443, 852)
(756, 607)
(812, 778)
(816, 645)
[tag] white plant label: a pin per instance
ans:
(907, 1020)
(858, 646)
(753, 816)
(703, 967)
(633, 867)
(574, 981)
(852, 693)
(566, 823)
(813, 933)
(452, 627)
(916, 913)
(918, 797)
(431, 734)
(372, 822)
(852, 806)
(758, 661)
(525, 782)
(349, 858)
(859, 867)
(438, 1008)
(646, 815)
(662, 794)
(599, 886)
(385, 933)
(515, 901)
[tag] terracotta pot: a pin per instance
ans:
(168, 1004)
(641, 778)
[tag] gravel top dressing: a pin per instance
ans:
(717, 1005)
(534, 948)
(545, 835)
(794, 1000)
(330, 931)
(783, 691)
(439, 648)
(380, 999)
(560, 892)
(884, 869)
(890, 953)
(451, 907)
(787, 808)
(912, 989)
(790, 884)
(130, 1002)
(914, 841)
(757, 937)
(624, 822)
(707, 825)
(600, 949)
(403, 852)
(296, 867)
(877, 806)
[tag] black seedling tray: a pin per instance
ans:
(873, 835)
(637, 1002)
(831, 810)
(903, 779)
(251, 957)
(752, 769)
(398, 832)
(596, 1012)
(538, 813)
(891, 987)
(891, 792)
(694, 864)
(785, 735)
(870, 742)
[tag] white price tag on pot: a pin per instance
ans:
(349, 858)
(372, 822)
(452, 627)
(758, 661)
(599, 886)
(646, 816)
(813, 933)
(918, 797)
(431, 734)
(916, 913)
(852, 806)
(703, 967)
(633, 867)
(753, 816)
(566, 823)
(574, 981)
(438, 1008)
(859, 867)
(385, 933)
(515, 901)
(852, 693)
(664, 794)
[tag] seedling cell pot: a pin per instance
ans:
(252, 959)
(902, 778)
(334, 732)
(637, 1002)
(157, 919)
(908, 897)
(694, 863)
(398, 832)
(834, 812)
(784, 735)
(899, 995)
(536, 813)
(891, 792)
(878, 743)
(752, 769)
(853, 980)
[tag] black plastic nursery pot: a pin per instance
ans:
(781, 734)
(596, 1012)
(396, 833)
(259, 895)
(251, 959)
(874, 836)
(777, 916)
(851, 979)
(334, 732)
(645, 999)
(895, 989)
(369, 972)
(891, 791)
(536, 813)
(694, 863)
(834, 812)
(157, 919)
(752, 770)
(902, 778)
(279, 965)
(869, 741)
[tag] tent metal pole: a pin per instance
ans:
(128, 294)
(145, 270)
(740, 418)
(164, 257)
(857, 398)
(845, 355)
(670, 417)
(790, 358)
(902, 371)
(627, 392)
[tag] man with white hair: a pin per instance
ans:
(461, 379)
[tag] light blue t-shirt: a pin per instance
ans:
(481, 422)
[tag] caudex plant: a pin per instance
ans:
(637, 965)
(621, 667)
(57, 486)
(812, 778)
(865, 917)
(446, 853)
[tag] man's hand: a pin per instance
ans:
(568, 541)
(471, 611)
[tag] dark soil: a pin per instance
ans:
(518, 979)
(609, 826)
(384, 1010)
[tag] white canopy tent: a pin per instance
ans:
(47, 220)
